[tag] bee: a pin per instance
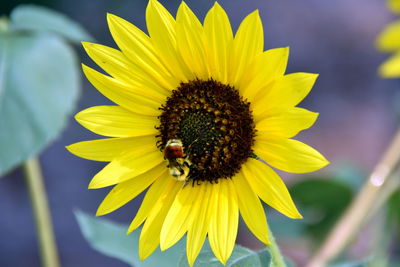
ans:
(178, 163)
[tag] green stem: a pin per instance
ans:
(41, 213)
(277, 258)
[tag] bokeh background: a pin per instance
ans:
(358, 110)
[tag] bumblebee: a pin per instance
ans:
(178, 163)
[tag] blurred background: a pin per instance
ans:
(358, 114)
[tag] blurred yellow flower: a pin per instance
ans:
(389, 41)
(211, 105)
(394, 5)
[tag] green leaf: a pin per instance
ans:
(361, 263)
(39, 84)
(37, 18)
(265, 257)
(321, 202)
(110, 238)
(241, 257)
(394, 207)
(107, 237)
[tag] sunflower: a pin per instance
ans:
(394, 5)
(201, 117)
(389, 41)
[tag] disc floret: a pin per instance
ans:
(215, 125)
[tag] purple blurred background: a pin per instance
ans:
(358, 110)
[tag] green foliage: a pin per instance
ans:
(241, 257)
(393, 222)
(41, 19)
(110, 238)
(361, 263)
(266, 259)
(321, 201)
(394, 207)
(39, 81)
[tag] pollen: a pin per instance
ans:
(215, 125)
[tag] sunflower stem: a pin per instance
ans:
(377, 189)
(41, 213)
(277, 258)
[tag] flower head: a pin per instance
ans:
(389, 41)
(394, 5)
(201, 117)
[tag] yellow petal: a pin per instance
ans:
(121, 93)
(161, 27)
(179, 216)
(115, 121)
(251, 209)
(289, 155)
(119, 66)
(388, 40)
(248, 43)
(149, 201)
(124, 192)
(107, 149)
(287, 123)
(391, 67)
(137, 46)
(191, 41)
(224, 219)
(110, 60)
(219, 39)
(269, 187)
(264, 69)
(150, 235)
(394, 5)
(127, 166)
(198, 230)
(289, 91)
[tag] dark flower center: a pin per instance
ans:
(215, 126)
